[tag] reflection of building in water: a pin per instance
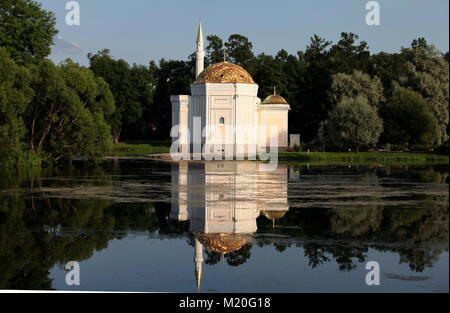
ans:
(222, 201)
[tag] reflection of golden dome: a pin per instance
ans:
(222, 243)
(274, 99)
(224, 72)
(274, 215)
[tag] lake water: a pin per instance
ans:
(141, 225)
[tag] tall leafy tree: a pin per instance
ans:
(427, 73)
(358, 83)
(26, 30)
(239, 50)
(352, 123)
(268, 72)
(388, 67)
(214, 50)
(15, 95)
(143, 81)
(409, 121)
(174, 78)
(314, 103)
(349, 54)
(322, 60)
(117, 73)
(66, 117)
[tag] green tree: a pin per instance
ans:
(352, 123)
(143, 82)
(322, 60)
(358, 83)
(131, 86)
(349, 54)
(427, 73)
(388, 67)
(67, 114)
(214, 50)
(15, 95)
(239, 50)
(174, 78)
(409, 121)
(268, 72)
(316, 78)
(26, 30)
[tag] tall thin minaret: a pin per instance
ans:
(200, 55)
(198, 260)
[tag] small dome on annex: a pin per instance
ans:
(274, 99)
(224, 72)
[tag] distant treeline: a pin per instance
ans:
(342, 96)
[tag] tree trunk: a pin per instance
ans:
(116, 135)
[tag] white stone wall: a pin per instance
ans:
(236, 103)
(239, 108)
(273, 115)
(180, 116)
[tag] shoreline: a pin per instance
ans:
(330, 158)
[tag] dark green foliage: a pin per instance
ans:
(352, 123)
(214, 50)
(66, 117)
(174, 78)
(322, 60)
(15, 95)
(358, 83)
(26, 30)
(427, 73)
(132, 88)
(239, 50)
(409, 121)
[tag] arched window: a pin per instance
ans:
(222, 121)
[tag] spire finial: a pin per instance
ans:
(224, 55)
(274, 90)
(200, 31)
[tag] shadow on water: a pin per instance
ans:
(223, 210)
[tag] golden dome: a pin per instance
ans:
(222, 243)
(274, 215)
(274, 99)
(224, 72)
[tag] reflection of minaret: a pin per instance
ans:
(198, 260)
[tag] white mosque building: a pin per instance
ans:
(224, 103)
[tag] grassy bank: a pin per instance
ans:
(363, 158)
(140, 148)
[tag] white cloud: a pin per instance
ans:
(62, 46)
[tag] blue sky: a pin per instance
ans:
(143, 30)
